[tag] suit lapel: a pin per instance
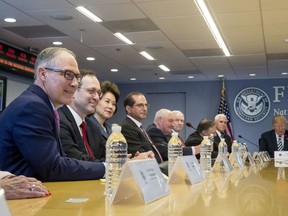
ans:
(41, 94)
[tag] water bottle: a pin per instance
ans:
(205, 154)
(174, 150)
(235, 147)
(116, 156)
(222, 147)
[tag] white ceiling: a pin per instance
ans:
(172, 31)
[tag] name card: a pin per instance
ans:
(186, 166)
(222, 162)
(250, 159)
(281, 158)
(4, 210)
(143, 177)
(236, 160)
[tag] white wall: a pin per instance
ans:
(16, 84)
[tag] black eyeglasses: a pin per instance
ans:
(93, 91)
(69, 75)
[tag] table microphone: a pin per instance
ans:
(240, 136)
(190, 125)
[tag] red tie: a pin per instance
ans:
(182, 142)
(84, 134)
(153, 146)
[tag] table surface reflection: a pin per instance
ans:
(250, 191)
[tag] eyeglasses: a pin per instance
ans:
(141, 106)
(93, 91)
(69, 75)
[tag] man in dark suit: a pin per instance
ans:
(276, 139)
(136, 109)
(221, 126)
(160, 133)
(73, 115)
(29, 136)
(205, 127)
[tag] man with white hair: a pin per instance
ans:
(221, 126)
(160, 133)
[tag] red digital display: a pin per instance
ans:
(16, 60)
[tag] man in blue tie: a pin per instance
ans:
(276, 139)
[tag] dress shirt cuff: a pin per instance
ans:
(193, 150)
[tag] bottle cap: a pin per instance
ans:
(116, 127)
(174, 133)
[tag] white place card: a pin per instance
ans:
(4, 210)
(186, 166)
(143, 177)
(250, 159)
(281, 158)
(222, 160)
(235, 159)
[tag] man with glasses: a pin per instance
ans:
(29, 135)
(73, 122)
(276, 139)
(136, 108)
(80, 138)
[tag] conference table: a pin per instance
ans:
(253, 190)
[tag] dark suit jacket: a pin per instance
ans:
(228, 141)
(135, 138)
(30, 143)
(195, 139)
(268, 142)
(161, 141)
(72, 140)
(104, 133)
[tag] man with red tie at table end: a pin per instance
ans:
(276, 139)
(29, 135)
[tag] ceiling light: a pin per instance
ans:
(10, 20)
(147, 55)
(89, 14)
(57, 43)
(132, 78)
(252, 75)
(284, 73)
(190, 77)
(212, 26)
(220, 75)
(164, 68)
(161, 78)
(123, 38)
(114, 70)
(90, 59)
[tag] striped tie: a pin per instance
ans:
(280, 144)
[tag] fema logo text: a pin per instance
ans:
(252, 105)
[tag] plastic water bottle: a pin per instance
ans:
(174, 151)
(116, 156)
(205, 154)
(222, 147)
(235, 147)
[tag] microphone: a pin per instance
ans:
(190, 125)
(240, 136)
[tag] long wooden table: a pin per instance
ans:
(250, 191)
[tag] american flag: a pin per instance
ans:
(223, 109)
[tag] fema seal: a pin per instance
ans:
(252, 105)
